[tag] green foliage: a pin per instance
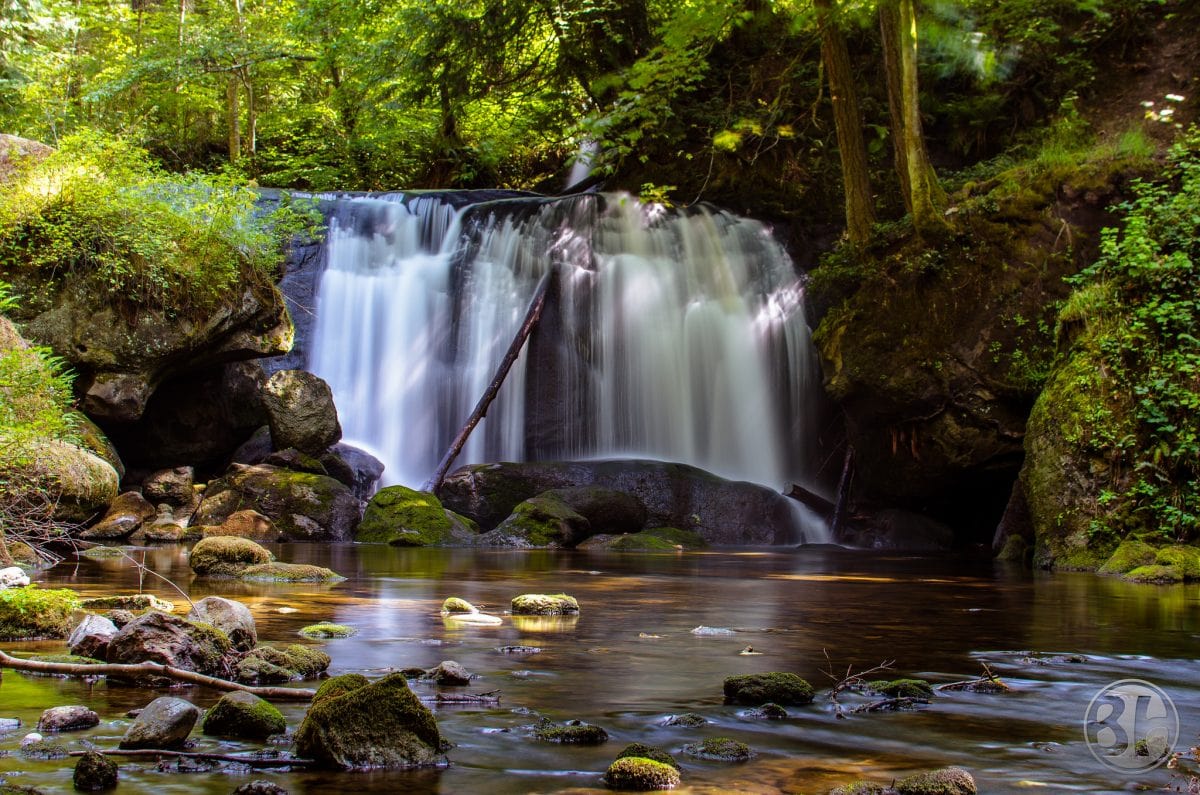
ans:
(35, 399)
(1144, 292)
(32, 612)
(100, 211)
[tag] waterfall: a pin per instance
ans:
(669, 334)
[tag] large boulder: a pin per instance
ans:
(303, 506)
(164, 723)
(91, 637)
(232, 618)
(170, 640)
(300, 412)
(174, 487)
(400, 516)
(243, 716)
(542, 521)
(357, 468)
(67, 719)
(122, 358)
(246, 524)
(78, 483)
(267, 665)
(674, 495)
(226, 556)
(352, 724)
(125, 514)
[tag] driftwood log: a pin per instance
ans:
(154, 753)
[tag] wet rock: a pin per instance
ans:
(902, 688)
(13, 577)
(160, 531)
(946, 781)
(648, 752)
(173, 487)
(400, 516)
(9, 725)
(255, 449)
(288, 572)
(658, 539)
(378, 725)
(243, 716)
(455, 605)
(260, 788)
(33, 613)
(293, 459)
(573, 732)
(120, 617)
(768, 711)
(91, 637)
(519, 649)
(303, 506)
(134, 602)
(537, 523)
(688, 720)
(675, 495)
(713, 632)
(778, 687)
(720, 749)
(170, 640)
(95, 772)
(450, 673)
(246, 524)
(226, 556)
(35, 746)
(125, 514)
(862, 788)
(325, 631)
(537, 604)
(355, 468)
(164, 723)
(300, 412)
(232, 618)
(267, 665)
(637, 774)
(65, 719)
(78, 483)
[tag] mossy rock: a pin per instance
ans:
(243, 716)
(684, 538)
(902, 688)
(640, 542)
(861, 788)
(643, 751)
(571, 733)
(401, 516)
(31, 613)
(539, 604)
(94, 772)
(779, 687)
(68, 659)
(378, 725)
(1186, 559)
(1015, 550)
(1128, 556)
(1155, 574)
(303, 506)
(946, 781)
(326, 631)
(269, 665)
(340, 686)
(720, 749)
(638, 774)
(540, 522)
(688, 720)
(23, 555)
(103, 553)
(455, 605)
(135, 603)
(226, 556)
(288, 572)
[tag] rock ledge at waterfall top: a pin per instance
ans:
(676, 495)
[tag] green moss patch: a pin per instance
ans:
(288, 572)
(571, 733)
(638, 774)
(455, 605)
(643, 751)
(403, 517)
(135, 603)
(1128, 556)
(540, 604)
(946, 781)
(269, 665)
(720, 749)
(779, 687)
(227, 556)
(902, 688)
(243, 716)
(325, 631)
(30, 613)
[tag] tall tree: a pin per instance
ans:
(847, 120)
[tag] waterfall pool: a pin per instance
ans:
(631, 659)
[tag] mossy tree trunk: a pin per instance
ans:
(847, 120)
(923, 196)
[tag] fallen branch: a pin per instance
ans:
(490, 697)
(136, 670)
(990, 682)
(154, 753)
(849, 680)
(890, 704)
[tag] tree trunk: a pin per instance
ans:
(847, 120)
(233, 112)
(889, 34)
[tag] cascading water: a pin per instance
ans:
(673, 335)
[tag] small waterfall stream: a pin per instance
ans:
(674, 335)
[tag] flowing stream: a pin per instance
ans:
(672, 335)
(631, 659)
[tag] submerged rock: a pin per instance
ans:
(720, 749)
(353, 725)
(538, 604)
(226, 556)
(135, 602)
(644, 751)
(688, 720)
(243, 716)
(778, 687)
(637, 774)
(95, 772)
(327, 630)
(946, 781)
(232, 618)
(65, 719)
(903, 688)
(164, 723)
(572, 732)
(261, 787)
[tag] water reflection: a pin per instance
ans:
(630, 659)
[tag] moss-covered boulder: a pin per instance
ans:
(572, 732)
(541, 604)
(327, 630)
(339, 686)
(171, 640)
(454, 604)
(902, 688)
(401, 516)
(637, 774)
(946, 781)
(648, 752)
(77, 483)
(133, 602)
(300, 412)
(246, 524)
(539, 522)
(95, 772)
(232, 618)
(288, 572)
(1184, 559)
(267, 665)
(657, 539)
(304, 506)
(243, 716)
(226, 556)
(720, 749)
(1130, 554)
(33, 613)
(1155, 574)
(378, 725)
(779, 687)
(861, 788)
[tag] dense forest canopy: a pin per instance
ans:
(687, 96)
